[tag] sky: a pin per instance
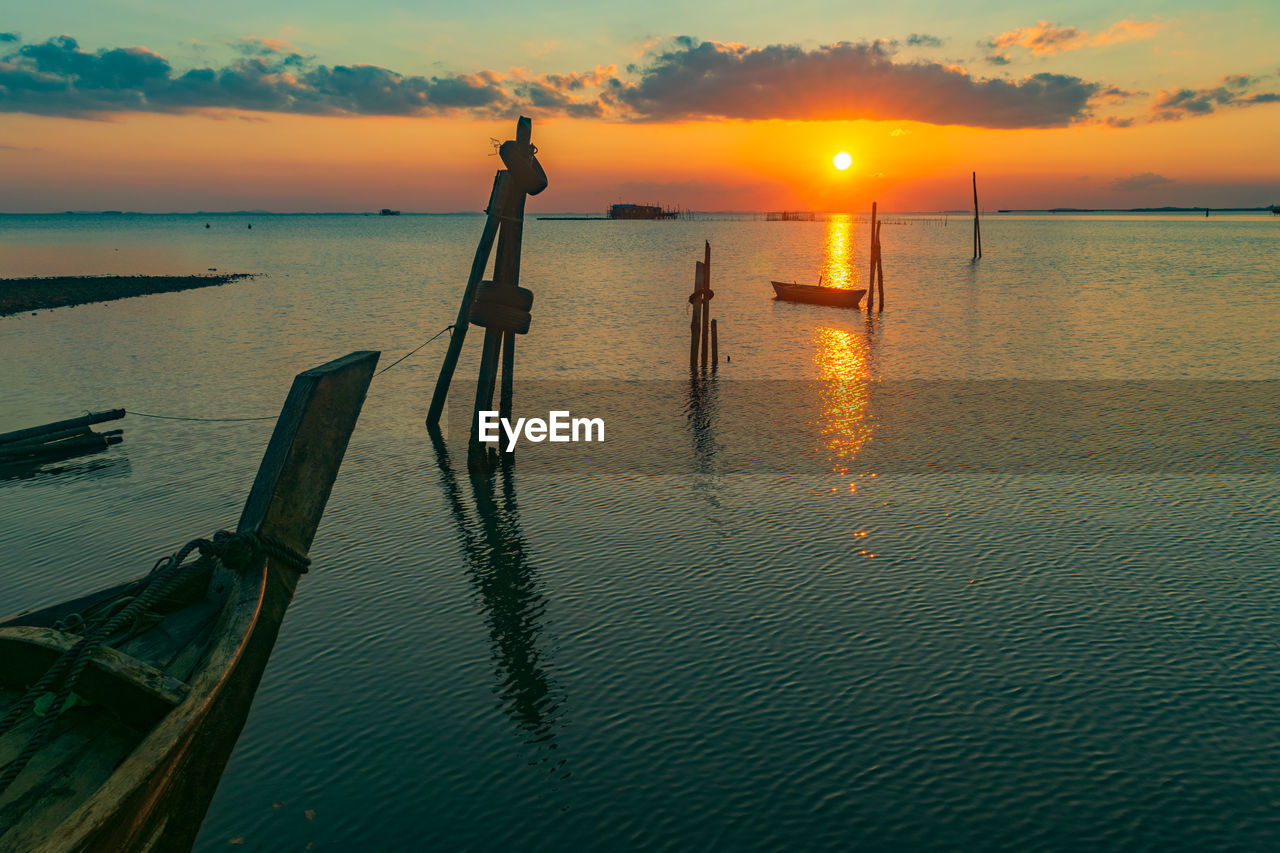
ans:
(326, 106)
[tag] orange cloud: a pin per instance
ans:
(1042, 38)
(1046, 39)
(1122, 31)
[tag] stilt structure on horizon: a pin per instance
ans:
(501, 306)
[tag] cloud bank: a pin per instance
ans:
(688, 80)
(57, 77)
(1233, 90)
(700, 80)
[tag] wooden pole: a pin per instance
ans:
(506, 273)
(879, 269)
(871, 281)
(487, 380)
(695, 325)
(497, 201)
(35, 440)
(76, 446)
(977, 229)
(706, 305)
(715, 347)
(510, 276)
(58, 426)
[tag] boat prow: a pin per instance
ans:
(133, 762)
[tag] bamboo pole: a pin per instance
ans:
(977, 229)
(695, 325)
(879, 269)
(506, 273)
(510, 276)
(706, 304)
(57, 426)
(871, 281)
(487, 379)
(46, 438)
(87, 443)
(497, 201)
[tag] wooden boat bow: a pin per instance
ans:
(145, 783)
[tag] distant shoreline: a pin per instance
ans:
(32, 294)
(1133, 210)
(571, 214)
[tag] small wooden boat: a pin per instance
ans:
(817, 294)
(141, 690)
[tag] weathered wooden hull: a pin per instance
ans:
(834, 296)
(156, 798)
(170, 780)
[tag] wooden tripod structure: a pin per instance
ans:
(501, 306)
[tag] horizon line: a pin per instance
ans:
(950, 212)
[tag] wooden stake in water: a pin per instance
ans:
(504, 310)
(706, 302)
(879, 269)
(695, 324)
(715, 347)
(507, 271)
(977, 230)
(497, 201)
(871, 280)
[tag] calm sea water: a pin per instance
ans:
(746, 624)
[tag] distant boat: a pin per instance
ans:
(837, 297)
(640, 211)
(386, 211)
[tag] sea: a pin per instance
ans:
(994, 568)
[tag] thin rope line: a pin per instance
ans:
(177, 418)
(406, 355)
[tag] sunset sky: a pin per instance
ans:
(306, 106)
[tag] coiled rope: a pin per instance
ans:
(236, 551)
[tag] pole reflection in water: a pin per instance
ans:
(701, 411)
(506, 584)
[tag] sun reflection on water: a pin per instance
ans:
(837, 266)
(844, 425)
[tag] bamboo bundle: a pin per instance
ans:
(60, 439)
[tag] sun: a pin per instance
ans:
(842, 160)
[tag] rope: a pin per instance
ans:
(176, 418)
(497, 215)
(234, 550)
(406, 355)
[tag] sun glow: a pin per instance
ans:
(842, 161)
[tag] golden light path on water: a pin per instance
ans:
(843, 421)
(842, 358)
(837, 262)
